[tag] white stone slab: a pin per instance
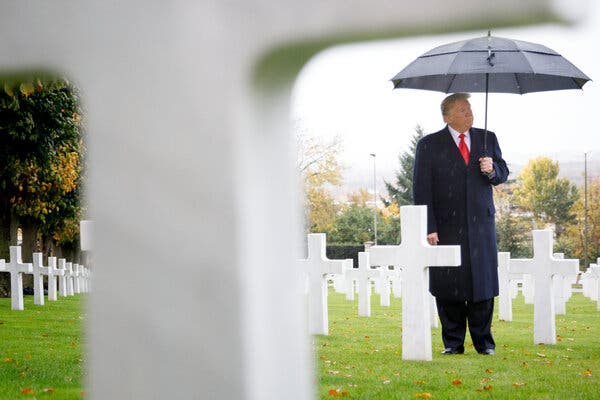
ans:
(414, 255)
(542, 267)
(318, 268)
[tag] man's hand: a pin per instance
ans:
(486, 165)
(432, 238)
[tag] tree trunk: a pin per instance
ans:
(4, 251)
(29, 246)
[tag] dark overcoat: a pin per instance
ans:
(460, 208)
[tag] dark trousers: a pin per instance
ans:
(456, 315)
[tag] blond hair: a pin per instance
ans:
(450, 100)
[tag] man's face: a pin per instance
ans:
(460, 116)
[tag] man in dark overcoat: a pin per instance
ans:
(453, 177)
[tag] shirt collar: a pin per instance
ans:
(456, 133)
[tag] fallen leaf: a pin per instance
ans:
(386, 382)
(549, 362)
(332, 372)
(338, 393)
(367, 337)
(28, 356)
(587, 372)
(22, 373)
(540, 355)
(518, 384)
(419, 382)
(9, 359)
(48, 390)
(456, 382)
(425, 395)
(323, 358)
(27, 391)
(489, 371)
(488, 387)
(525, 363)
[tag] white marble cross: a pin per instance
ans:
(505, 278)
(76, 279)
(593, 275)
(62, 278)
(53, 272)
(38, 278)
(542, 267)
(349, 280)
(414, 255)
(17, 268)
(385, 285)
(317, 268)
(363, 275)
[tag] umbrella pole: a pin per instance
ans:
(487, 77)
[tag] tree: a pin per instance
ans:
(512, 226)
(573, 240)
(319, 169)
(401, 191)
(41, 159)
(549, 198)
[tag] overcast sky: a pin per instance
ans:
(346, 91)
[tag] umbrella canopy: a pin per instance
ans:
(491, 64)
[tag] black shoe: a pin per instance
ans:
(453, 350)
(487, 352)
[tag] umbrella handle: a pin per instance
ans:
(487, 77)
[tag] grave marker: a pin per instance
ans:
(53, 273)
(414, 255)
(317, 268)
(17, 268)
(363, 275)
(542, 267)
(505, 279)
(38, 278)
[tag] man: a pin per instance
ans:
(453, 177)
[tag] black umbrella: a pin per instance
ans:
(490, 64)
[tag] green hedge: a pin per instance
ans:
(342, 251)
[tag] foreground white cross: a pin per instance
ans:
(17, 268)
(317, 267)
(414, 255)
(542, 267)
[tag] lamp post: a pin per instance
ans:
(585, 212)
(374, 198)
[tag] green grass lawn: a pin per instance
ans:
(362, 357)
(41, 353)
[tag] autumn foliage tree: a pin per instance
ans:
(41, 161)
(546, 196)
(320, 169)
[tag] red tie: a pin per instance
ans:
(462, 147)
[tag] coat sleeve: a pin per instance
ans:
(500, 168)
(423, 183)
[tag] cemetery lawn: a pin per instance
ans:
(41, 353)
(362, 357)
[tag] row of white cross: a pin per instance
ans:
(72, 278)
(548, 273)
